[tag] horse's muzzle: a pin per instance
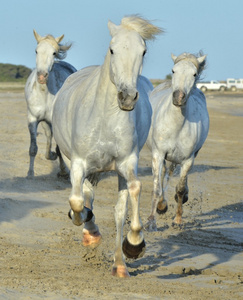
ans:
(42, 77)
(179, 98)
(127, 101)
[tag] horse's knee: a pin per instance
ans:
(33, 150)
(135, 188)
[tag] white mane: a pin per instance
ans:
(142, 26)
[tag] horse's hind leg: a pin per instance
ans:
(48, 133)
(181, 195)
(119, 268)
(64, 172)
(159, 204)
(33, 147)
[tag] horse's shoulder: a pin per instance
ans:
(63, 65)
(198, 97)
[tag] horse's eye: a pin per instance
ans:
(144, 52)
(54, 53)
(111, 51)
(195, 75)
(36, 51)
(173, 71)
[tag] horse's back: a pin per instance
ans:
(68, 103)
(61, 70)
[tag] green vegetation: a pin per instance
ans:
(13, 73)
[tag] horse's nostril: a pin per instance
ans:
(136, 96)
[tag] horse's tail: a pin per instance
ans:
(94, 178)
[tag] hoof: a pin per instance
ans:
(184, 199)
(162, 208)
(91, 240)
(30, 174)
(151, 225)
(120, 271)
(132, 251)
(89, 214)
(52, 156)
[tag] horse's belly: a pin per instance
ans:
(178, 154)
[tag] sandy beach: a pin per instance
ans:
(41, 252)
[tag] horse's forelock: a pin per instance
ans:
(147, 30)
(192, 58)
(59, 48)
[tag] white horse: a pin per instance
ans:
(101, 119)
(40, 89)
(179, 128)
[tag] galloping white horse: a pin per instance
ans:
(179, 127)
(101, 120)
(41, 87)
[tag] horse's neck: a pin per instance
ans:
(106, 90)
(174, 112)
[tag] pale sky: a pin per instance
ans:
(213, 26)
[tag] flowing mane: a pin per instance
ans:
(61, 50)
(142, 26)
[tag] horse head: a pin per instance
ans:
(47, 50)
(186, 71)
(126, 51)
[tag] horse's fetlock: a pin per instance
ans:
(76, 204)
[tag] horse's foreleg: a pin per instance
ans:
(79, 213)
(33, 147)
(48, 133)
(91, 234)
(159, 204)
(181, 195)
(134, 244)
(119, 268)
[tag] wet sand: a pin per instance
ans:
(40, 249)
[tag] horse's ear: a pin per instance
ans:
(173, 57)
(112, 28)
(201, 59)
(59, 39)
(37, 36)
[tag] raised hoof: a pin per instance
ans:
(52, 156)
(162, 209)
(88, 217)
(184, 200)
(132, 251)
(91, 240)
(120, 271)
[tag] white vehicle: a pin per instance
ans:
(234, 84)
(212, 85)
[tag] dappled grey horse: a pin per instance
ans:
(101, 120)
(40, 89)
(179, 128)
